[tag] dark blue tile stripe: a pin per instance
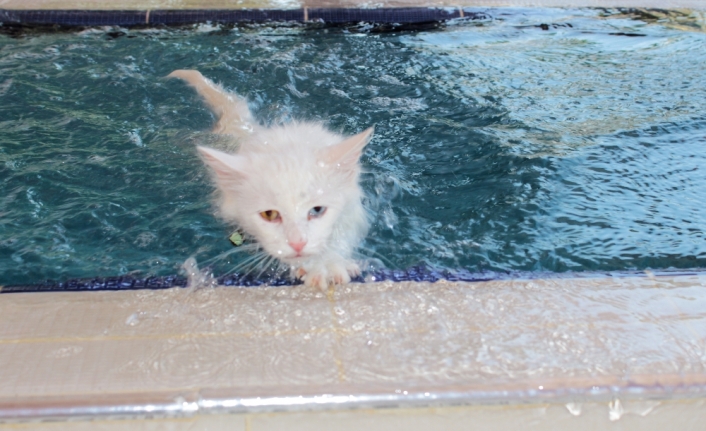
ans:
(418, 273)
(396, 15)
(181, 17)
(72, 17)
(177, 17)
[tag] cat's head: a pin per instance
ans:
(291, 199)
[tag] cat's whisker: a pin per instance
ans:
(372, 253)
(266, 264)
(248, 263)
(224, 255)
(257, 264)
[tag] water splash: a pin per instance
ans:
(197, 279)
(615, 410)
(574, 408)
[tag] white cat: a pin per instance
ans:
(293, 188)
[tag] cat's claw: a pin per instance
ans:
(339, 274)
(353, 269)
(316, 280)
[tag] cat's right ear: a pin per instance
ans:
(346, 154)
(228, 168)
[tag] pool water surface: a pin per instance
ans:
(536, 140)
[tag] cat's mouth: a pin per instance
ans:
(298, 257)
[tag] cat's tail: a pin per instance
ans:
(234, 117)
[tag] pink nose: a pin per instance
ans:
(297, 246)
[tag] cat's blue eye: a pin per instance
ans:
(316, 212)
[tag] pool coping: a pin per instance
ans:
(71, 332)
(185, 403)
(397, 17)
(338, 4)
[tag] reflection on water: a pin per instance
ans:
(539, 140)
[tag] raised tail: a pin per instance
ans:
(234, 117)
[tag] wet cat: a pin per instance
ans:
(293, 188)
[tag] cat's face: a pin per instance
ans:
(289, 201)
(293, 214)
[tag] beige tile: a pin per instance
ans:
(386, 307)
(196, 423)
(642, 415)
(471, 338)
(638, 415)
(171, 364)
(162, 313)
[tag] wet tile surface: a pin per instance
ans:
(570, 333)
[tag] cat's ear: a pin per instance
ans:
(228, 168)
(348, 152)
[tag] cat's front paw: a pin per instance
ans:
(321, 276)
(316, 279)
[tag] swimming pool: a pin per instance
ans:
(534, 140)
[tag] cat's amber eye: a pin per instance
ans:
(316, 212)
(271, 215)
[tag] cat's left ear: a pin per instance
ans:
(227, 168)
(347, 153)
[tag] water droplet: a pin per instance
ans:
(574, 408)
(615, 410)
(133, 319)
(642, 408)
(65, 352)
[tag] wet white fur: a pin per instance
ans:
(290, 169)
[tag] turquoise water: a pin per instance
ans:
(499, 145)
